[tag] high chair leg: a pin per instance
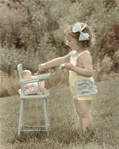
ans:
(46, 115)
(21, 115)
(22, 120)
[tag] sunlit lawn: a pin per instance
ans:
(64, 129)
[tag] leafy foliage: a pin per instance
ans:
(31, 32)
(110, 41)
(110, 48)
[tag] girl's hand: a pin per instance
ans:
(41, 67)
(68, 66)
(62, 65)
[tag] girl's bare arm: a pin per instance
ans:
(55, 62)
(87, 71)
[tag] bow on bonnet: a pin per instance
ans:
(77, 28)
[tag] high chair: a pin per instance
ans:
(25, 97)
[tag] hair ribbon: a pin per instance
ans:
(77, 28)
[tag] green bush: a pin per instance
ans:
(110, 45)
(107, 66)
(31, 32)
(110, 41)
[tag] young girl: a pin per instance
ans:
(32, 88)
(79, 38)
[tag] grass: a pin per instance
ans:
(64, 131)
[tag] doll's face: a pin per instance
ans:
(28, 75)
(71, 42)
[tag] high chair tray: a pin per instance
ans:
(44, 76)
(38, 78)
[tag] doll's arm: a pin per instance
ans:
(29, 85)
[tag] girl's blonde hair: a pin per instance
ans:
(24, 73)
(84, 43)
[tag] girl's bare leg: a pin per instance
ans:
(83, 109)
(79, 116)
